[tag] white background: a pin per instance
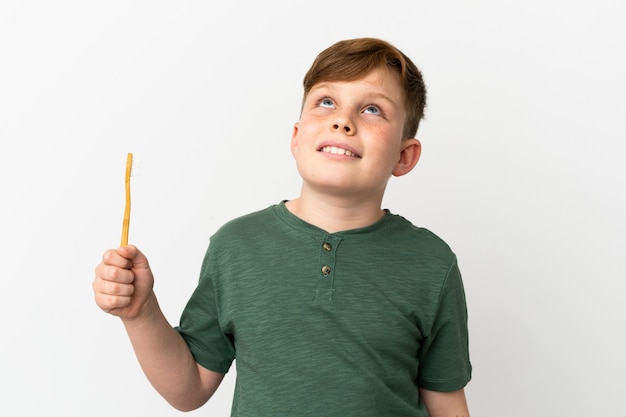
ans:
(522, 173)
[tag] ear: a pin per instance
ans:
(410, 152)
(294, 139)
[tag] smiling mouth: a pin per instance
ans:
(338, 151)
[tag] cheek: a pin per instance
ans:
(390, 154)
(305, 136)
(386, 141)
(299, 146)
(385, 131)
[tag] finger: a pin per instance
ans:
(135, 256)
(114, 258)
(114, 273)
(109, 303)
(113, 288)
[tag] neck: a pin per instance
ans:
(335, 214)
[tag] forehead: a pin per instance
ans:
(380, 81)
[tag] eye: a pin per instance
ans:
(327, 102)
(373, 110)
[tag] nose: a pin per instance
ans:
(343, 122)
(346, 128)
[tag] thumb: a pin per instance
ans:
(135, 256)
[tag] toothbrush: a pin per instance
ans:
(126, 223)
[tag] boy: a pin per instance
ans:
(331, 305)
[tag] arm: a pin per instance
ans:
(445, 404)
(123, 288)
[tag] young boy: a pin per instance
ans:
(331, 305)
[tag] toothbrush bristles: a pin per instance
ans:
(135, 169)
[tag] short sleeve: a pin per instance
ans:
(200, 326)
(444, 356)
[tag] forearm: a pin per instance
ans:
(445, 404)
(166, 359)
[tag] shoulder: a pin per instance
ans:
(247, 224)
(424, 255)
(250, 233)
(419, 241)
(239, 238)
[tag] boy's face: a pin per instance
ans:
(348, 141)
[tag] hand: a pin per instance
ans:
(123, 283)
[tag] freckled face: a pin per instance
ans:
(349, 137)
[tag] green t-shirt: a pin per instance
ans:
(342, 324)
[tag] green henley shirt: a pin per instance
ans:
(342, 324)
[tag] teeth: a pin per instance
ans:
(337, 151)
